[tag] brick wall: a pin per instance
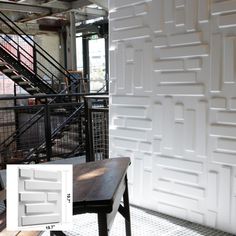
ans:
(173, 105)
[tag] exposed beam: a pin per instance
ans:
(31, 29)
(32, 17)
(16, 7)
(35, 10)
(80, 3)
(101, 3)
(57, 4)
(91, 11)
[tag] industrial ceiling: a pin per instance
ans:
(53, 14)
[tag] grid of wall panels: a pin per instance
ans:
(173, 105)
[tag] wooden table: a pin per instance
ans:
(98, 187)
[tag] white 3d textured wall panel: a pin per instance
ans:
(39, 197)
(173, 105)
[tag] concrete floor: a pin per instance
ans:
(144, 223)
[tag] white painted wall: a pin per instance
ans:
(173, 105)
(51, 44)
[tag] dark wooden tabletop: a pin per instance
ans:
(95, 183)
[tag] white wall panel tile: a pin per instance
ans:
(184, 39)
(229, 61)
(142, 32)
(140, 9)
(155, 16)
(178, 77)
(179, 3)
(196, 217)
(40, 219)
(179, 16)
(218, 103)
(221, 7)
(35, 205)
(211, 219)
(212, 190)
(224, 198)
(131, 22)
(227, 21)
(216, 62)
(181, 90)
(169, 11)
(178, 134)
(191, 14)
(201, 129)
(203, 10)
(174, 109)
(138, 71)
(169, 65)
(176, 211)
(185, 51)
(193, 64)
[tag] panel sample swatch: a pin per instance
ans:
(40, 193)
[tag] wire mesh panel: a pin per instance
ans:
(7, 127)
(22, 127)
(52, 128)
(69, 140)
(97, 131)
(42, 131)
(100, 134)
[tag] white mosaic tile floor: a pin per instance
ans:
(143, 223)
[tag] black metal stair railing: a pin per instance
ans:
(19, 73)
(55, 138)
(22, 129)
(38, 67)
(34, 154)
(45, 128)
(28, 71)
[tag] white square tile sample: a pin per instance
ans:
(42, 195)
(36, 204)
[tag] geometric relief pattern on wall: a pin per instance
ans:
(180, 129)
(223, 63)
(179, 168)
(178, 66)
(223, 39)
(39, 197)
(173, 105)
(223, 83)
(223, 135)
(181, 53)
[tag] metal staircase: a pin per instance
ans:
(29, 69)
(56, 135)
(38, 152)
(33, 69)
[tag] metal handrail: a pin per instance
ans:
(55, 132)
(35, 44)
(26, 125)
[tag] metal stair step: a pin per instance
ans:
(31, 89)
(3, 63)
(16, 77)
(40, 94)
(23, 83)
(8, 70)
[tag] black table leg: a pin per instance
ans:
(102, 224)
(126, 209)
(57, 233)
